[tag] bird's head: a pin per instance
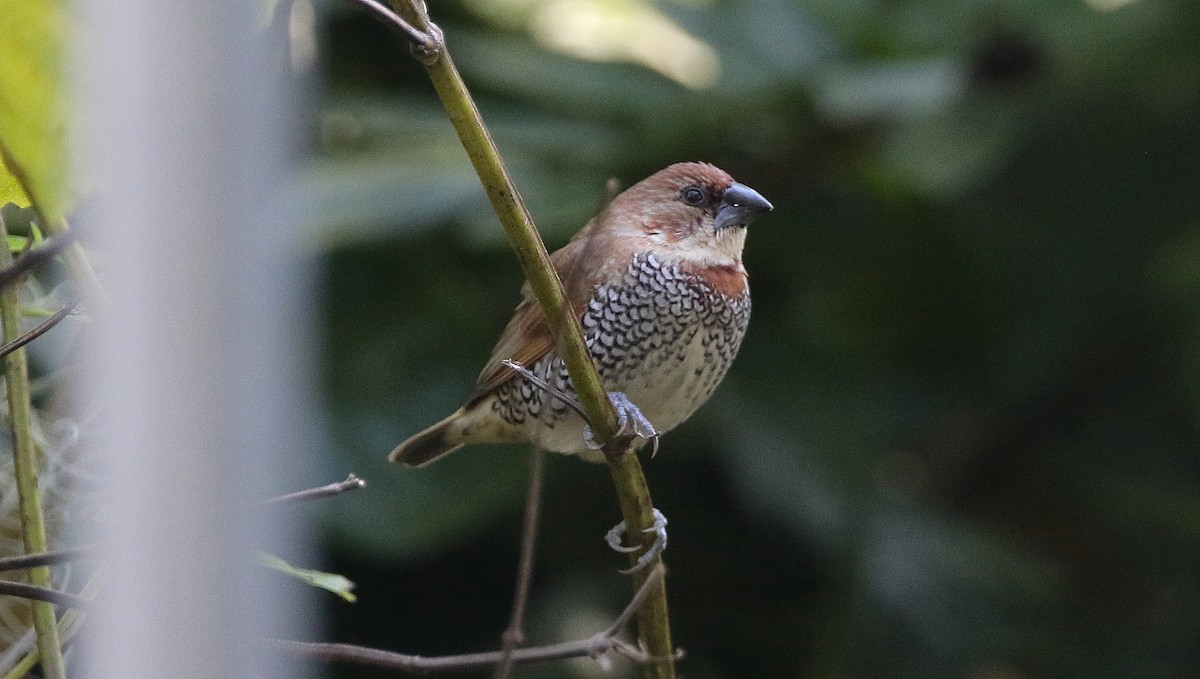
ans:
(695, 210)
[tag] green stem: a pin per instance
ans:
(33, 525)
(526, 242)
(653, 620)
(632, 491)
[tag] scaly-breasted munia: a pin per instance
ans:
(658, 283)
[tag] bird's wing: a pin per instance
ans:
(527, 338)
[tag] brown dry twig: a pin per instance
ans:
(514, 635)
(48, 250)
(24, 591)
(39, 330)
(424, 44)
(596, 646)
(16, 563)
(352, 482)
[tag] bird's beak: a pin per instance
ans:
(740, 204)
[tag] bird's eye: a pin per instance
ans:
(694, 195)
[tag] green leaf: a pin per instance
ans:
(332, 582)
(10, 188)
(17, 243)
(32, 110)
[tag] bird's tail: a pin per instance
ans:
(435, 442)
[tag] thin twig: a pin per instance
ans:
(397, 23)
(352, 482)
(514, 635)
(38, 330)
(416, 664)
(16, 563)
(25, 470)
(514, 216)
(67, 627)
(48, 250)
(53, 596)
(595, 646)
(545, 386)
(654, 577)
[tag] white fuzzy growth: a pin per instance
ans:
(57, 447)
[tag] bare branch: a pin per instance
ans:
(12, 664)
(37, 331)
(352, 482)
(24, 591)
(654, 577)
(361, 655)
(48, 250)
(550, 390)
(595, 646)
(514, 636)
(397, 23)
(16, 563)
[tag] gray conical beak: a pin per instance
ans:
(740, 204)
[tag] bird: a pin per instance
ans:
(663, 299)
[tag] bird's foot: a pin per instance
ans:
(659, 529)
(631, 423)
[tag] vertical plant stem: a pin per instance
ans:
(653, 621)
(514, 636)
(634, 495)
(33, 525)
(514, 216)
(632, 491)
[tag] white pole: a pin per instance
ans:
(196, 360)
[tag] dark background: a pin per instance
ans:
(961, 438)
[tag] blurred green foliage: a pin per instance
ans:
(32, 111)
(961, 439)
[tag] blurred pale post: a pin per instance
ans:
(195, 364)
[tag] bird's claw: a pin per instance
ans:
(659, 529)
(631, 423)
(630, 420)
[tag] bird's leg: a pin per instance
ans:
(630, 420)
(613, 538)
(631, 423)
